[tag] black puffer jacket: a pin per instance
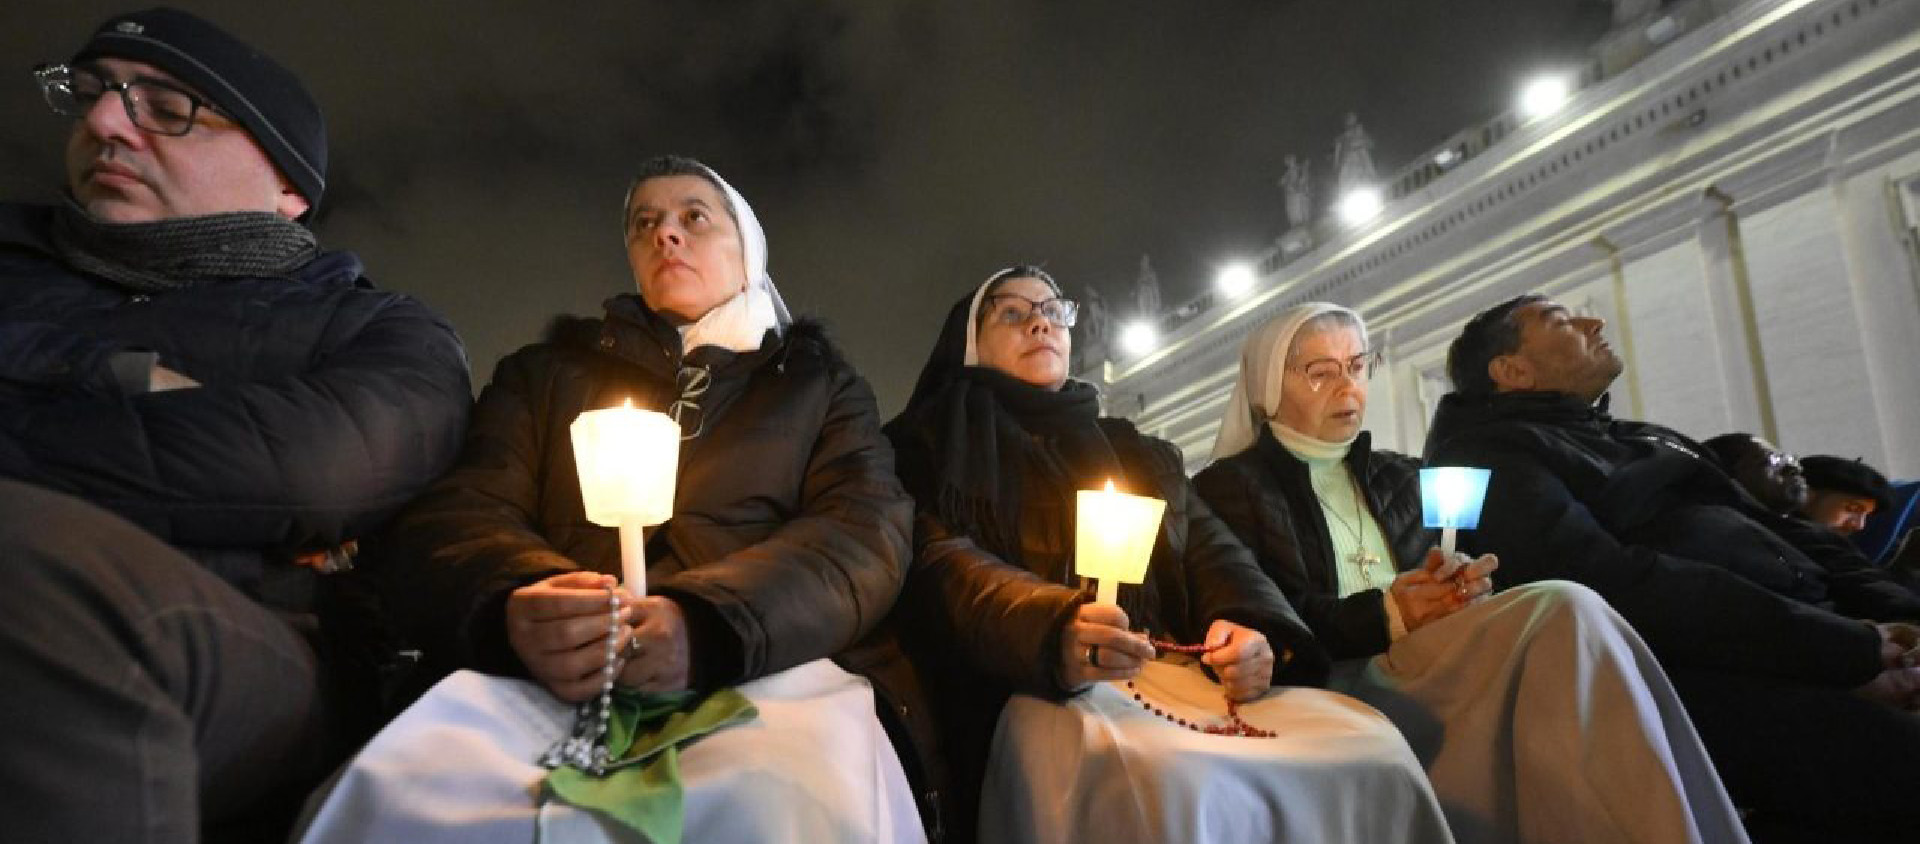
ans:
(1265, 495)
(1708, 577)
(789, 536)
(325, 404)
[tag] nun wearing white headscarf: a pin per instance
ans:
(1538, 712)
(719, 694)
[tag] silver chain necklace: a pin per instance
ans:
(1359, 557)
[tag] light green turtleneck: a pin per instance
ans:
(1349, 524)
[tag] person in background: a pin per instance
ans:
(1773, 477)
(1842, 494)
(1794, 657)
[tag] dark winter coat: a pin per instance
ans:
(1265, 494)
(1709, 577)
(982, 627)
(788, 541)
(1004, 618)
(324, 404)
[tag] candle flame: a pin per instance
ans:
(628, 403)
(1109, 484)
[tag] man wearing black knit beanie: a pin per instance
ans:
(1842, 493)
(200, 411)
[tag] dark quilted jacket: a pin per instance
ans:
(1706, 575)
(1266, 495)
(325, 405)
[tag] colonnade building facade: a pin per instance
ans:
(1742, 206)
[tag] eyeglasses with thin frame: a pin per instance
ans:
(1358, 368)
(154, 105)
(1061, 312)
(1780, 461)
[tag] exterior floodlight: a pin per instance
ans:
(1139, 338)
(1543, 96)
(1235, 280)
(1360, 205)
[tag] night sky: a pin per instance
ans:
(896, 152)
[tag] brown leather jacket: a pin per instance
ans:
(980, 627)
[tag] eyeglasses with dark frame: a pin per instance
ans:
(1358, 368)
(160, 107)
(1061, 312)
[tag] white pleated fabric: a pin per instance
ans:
(458, 766)
(1542, 717)
(1100, 768)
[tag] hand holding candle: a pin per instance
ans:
(627, 459)
(1113, 537)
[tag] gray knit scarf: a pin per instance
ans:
(183, 251)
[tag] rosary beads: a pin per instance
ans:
(1235, 726)
(585, 747)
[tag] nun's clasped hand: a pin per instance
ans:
(656, 650)
(558, 628)
(1241, 657)
(1097, 647)
(1441, 587)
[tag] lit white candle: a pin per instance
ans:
(1113, 537)
(627, 460)
(1450, 499)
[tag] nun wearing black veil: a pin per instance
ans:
(732, 702)
(1171, 716)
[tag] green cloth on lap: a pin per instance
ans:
(641, 788)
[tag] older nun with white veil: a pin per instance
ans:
(1538, 712)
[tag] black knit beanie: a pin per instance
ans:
(1848, 477)
(247, 85)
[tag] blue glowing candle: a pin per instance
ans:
(1450, 499)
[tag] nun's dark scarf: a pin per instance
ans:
(971, 438)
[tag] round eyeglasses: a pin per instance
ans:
(1359, 368)
(156, 106)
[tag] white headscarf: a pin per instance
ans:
(741, 322)
(973, 321)
(1263, 372)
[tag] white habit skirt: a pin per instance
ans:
(459, 766)
(1100, 768)
(1542, 717)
